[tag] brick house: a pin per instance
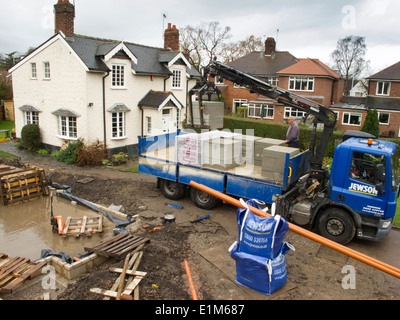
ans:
(383, 95)
(305, 77)
(77, 86)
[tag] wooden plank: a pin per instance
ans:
(12, 265)
(109, 293)
(83, 224)
(66, 227)
(129, 248)
(101, 245)
(129, 272)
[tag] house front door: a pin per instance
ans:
(166, 118)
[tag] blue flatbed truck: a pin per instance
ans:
(356, 199)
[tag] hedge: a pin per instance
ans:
(267, 129)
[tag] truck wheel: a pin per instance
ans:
(202, 199)
(171, 189)
(336, 225)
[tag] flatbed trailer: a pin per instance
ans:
(157, 157)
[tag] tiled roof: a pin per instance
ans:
(310, 67)
(258, 64)
(154, 99)
(370, 102)
(390, 73)
(151, 60)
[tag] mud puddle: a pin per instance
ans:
(25, 229)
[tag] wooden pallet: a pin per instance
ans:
(16, 271)
(18, 186)
(118, 246)
(83, 226)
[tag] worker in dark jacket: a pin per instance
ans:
(292, 135)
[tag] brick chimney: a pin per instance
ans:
(171, 38)
(270, 46)
(64, 17)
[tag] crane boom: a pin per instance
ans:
(322, 114)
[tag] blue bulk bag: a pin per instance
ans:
(259, 273)
(257, 235)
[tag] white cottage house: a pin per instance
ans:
(76, 86)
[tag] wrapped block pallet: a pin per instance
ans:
(261, 144)
(273, 161)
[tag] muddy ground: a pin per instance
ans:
(314, 271)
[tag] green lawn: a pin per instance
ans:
(5, 155)
(6, 125)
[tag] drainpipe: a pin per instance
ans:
(141, 111)
(104, 112)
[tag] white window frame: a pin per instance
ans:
(118, 76)
(381, 87)
(254, 110)
(238, 103)
(148, 125)
(118, 125)
(289, 111)
(176, 79)
(33, 71)
(384, 123)
(350, 115)
(71, 127)
(31, 117)
(47, 73)
(294, 81)
(273, 81)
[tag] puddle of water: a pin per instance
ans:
(25, 229)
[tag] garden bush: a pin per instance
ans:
(70, 153)
(90, 155)
(31, 138)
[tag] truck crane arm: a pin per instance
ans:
(321, 113)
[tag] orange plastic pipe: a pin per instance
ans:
(191, 284)
(308, 234)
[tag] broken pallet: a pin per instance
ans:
(15, 271)
(118, 246)
(18, 186)
(83, 226)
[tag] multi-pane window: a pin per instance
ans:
(238, 103)
(353, 119)
(383, 88)
(31, 117)
(33, 71)
(176, 79)
(273, 81)
(301, 84)
(118, 76)
(67, 127)
(148, 124)
(118, 125)
(293, 112)
(46, 70)
(264, 111)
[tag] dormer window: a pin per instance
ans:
(118, 76)
(176, 79)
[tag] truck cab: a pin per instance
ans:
(364, 182)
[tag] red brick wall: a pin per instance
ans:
(394, 122)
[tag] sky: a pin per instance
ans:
(307, 28)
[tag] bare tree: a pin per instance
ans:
(204, 42)
(349, 58)
(236, 50)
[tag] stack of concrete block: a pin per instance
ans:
(261, 144)
(248, 148)
(216, 149)
(273, 162)
(222, 153)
